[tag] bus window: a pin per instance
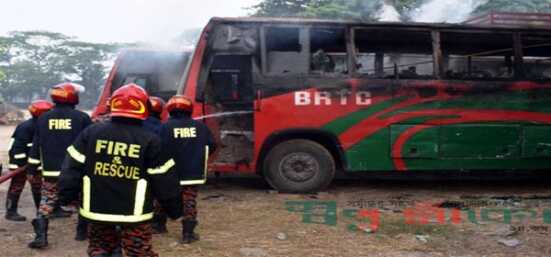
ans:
(139, 79)
(537, 56)
(285, 51)
(230, 80)
(328, 51)
(478, 56)
(384, 53)
(159, 72)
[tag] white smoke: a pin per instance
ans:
(388, 13)
(449, 11)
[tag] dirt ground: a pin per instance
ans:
(243, 217)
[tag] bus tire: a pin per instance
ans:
(299, 166)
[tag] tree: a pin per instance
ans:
(355, 10)
(32, 61)
(3, 54)
(515, 6)
(283, 8)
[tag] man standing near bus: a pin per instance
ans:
(153, 123)
(55, 131)
(156, 107)
(116, 165)
(20, 144)
(189, 143)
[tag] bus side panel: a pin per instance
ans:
(456, 128)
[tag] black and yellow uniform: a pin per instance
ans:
(189, 143)
(116, 165)
(20, 145)
(55, 131)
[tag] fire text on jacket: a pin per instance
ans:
(185, 132)
(59, 124)
(118, 149)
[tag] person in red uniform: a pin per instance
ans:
(117, 167)
(55, 131)
(20, 145)
(188, 143)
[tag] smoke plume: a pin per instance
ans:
(449, 11)
(388, 13)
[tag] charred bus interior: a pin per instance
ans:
(159, 72)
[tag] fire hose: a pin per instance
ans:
(12, 174)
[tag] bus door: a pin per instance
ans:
(228, 108)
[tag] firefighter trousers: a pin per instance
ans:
(18, 182)
(134, 239)
(189, 203)
(48, 200)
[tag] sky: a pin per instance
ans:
(116, 20)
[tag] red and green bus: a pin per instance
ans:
(296, 100)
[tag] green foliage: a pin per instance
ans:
(282, 8)
(33, 61)
(355, 10)
(515, 6)
(366, 10)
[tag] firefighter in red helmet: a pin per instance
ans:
(156, 107)
(55, 131)
(117, 166)
(153, 123)
(20, 144)
(188, 143)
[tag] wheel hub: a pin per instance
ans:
(299, 167)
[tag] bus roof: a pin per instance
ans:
(412, 25)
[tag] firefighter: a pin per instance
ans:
(55, 131)
(116, 165)
(156, 107)
(189, 143)
(20, 144)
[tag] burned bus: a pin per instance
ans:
(297, 100)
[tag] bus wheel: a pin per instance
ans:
(299, 166)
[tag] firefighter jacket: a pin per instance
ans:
(20, 143)
(153, 124)
(189, 143)
(117, 166)
(55, 131)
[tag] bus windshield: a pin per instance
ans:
(159, 72)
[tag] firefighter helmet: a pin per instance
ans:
(130, 101)
(156, 104)
(38, 107)
(179, 103)
(66, 93)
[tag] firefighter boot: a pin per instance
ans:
(117, 252)
(159, 224)
(11, 208)
(37, 196)
(187, 232)
(60, 213)
(82, 230)
(40, 226)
